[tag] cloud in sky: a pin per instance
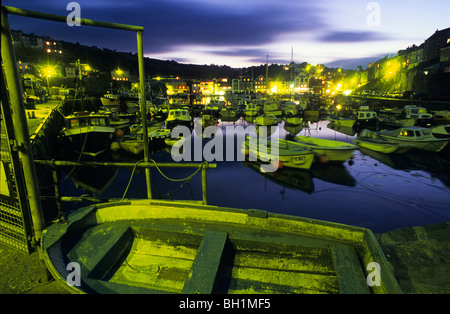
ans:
(241, 32)
(352, 37)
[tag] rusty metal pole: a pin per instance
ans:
(142, 105)
(20, 123)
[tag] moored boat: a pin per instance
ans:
(278, 154)
(88, 134)
(418, 137)
(178, 117)
(110, 100)
(368, 139)
(151, 246)
(228, 114)
(441, 131)
(266, 119)
(251, 109)
(342, 121)
(325, 150)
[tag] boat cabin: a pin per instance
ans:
(75, 120)
(413, 133)
(416, 112)
(179, 114)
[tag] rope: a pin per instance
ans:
(131, 178)
(187, 179)
(179, 180)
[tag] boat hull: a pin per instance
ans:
(343, 122)
(152, 246)
(89, 140)
(279, 156)
(266, 120)
(434, 146)
(335, 151)
(381, 147)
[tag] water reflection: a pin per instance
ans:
(373, 190)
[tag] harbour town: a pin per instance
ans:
(125, 174)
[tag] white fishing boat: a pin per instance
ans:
(325, 150)
(419, 137)
(178, 117)
(419, 114)
(369, 139)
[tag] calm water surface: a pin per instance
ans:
(375, 191)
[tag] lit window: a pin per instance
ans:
(49, 50)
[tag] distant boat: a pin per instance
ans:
(442, 116)
(178, 117)
(293, 119)
(397, 122)
(228, 114)
(325, 150)
(89, 134)
(369, 140)
(347, 122)
(110, 100)
(251, 109)
(271, 108)
(419, 137)
(420, 114)
(441, 131)
(289, 108)
(132, 145)
(266, 119)
(292, 156)
(366, 117)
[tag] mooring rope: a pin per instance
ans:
(165, 176)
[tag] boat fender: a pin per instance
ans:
(323, 159)
(277, 164)
(118, 133)
(115, 146)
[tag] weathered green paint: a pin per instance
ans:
(348, 270)
(206, 264)
(179, 247)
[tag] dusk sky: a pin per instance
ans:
(241, 33)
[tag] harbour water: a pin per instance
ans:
(377, 191)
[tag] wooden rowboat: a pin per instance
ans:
(278, 154)
(334, 150)
(149, 246)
